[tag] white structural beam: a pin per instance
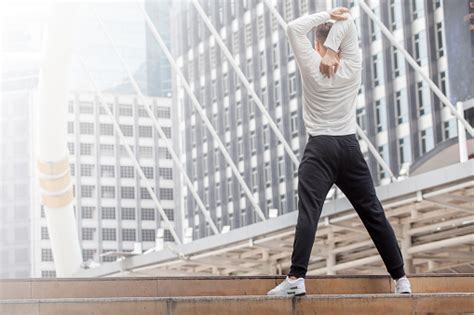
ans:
(415, 66)
(359, 130)
(202, 114)
(463, 155)
(160, 131)
(136, 164)
(53, 158)
(246, 83)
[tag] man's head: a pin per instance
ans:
(320, 34)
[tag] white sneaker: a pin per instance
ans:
(289, 288)
(402, 286)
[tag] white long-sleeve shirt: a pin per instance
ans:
(329, 104)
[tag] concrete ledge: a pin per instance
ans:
(220, 286)
(261, 305)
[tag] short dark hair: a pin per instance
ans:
(321, 31)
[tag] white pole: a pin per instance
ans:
(53, 156)
(461, 135)
(161, 133)
(247, 84)
(360, 132)
(375, 153)
(136, 164)
(203, 115)
(416, 67)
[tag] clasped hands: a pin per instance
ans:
(330, 61)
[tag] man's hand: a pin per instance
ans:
(337, 13)
(329, 63)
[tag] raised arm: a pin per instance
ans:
(343, 37)
(297, 31)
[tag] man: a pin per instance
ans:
(331, 79)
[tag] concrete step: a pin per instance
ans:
(386, 304)
(41, 288)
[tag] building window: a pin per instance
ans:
(87, 212)
(148, 235)
(240, 148)
(127, 192)
(417, 9)
(129, 235)
(167, 236)
(423, 98)
(169, 213)
(46, 254)
(294, 123)
(128, 213)
(276, 92)
(450, 129)
(376, 69)
(125, 110)
(163, 112)
(420, 48)
(88, 254)
(127, 172)
(380, 115)
(442, 83)
(109, 234)
(107, 171)
(107, 149)
(166, 172)
(70, 127)
(147, 152)
(148, 172)
(404, 153)
(281, 169)
(108, 213)
(106, 129)
(268, 175)
(401, 106)
(127, 130)
(44, 233)
(86, 128)
(85, 149)
(48, 274)
(144, 194)
(145, 131)
(395, 14)
(88, 234)
(107, 191)
(148, 214)
(292, 84)
(383, 151)
(263, 63)
(167, 132)
(275, 55)
(426, 139)
(439, 39)
(87, 170)
(166, 193)
(249, 69)
(87, 191)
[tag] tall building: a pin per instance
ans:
(395, 106)
(158, 67)
(114, 210)
(21, 34)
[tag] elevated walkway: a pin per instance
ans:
(432, 215)
(433, 293)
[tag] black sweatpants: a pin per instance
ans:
(329, 160)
